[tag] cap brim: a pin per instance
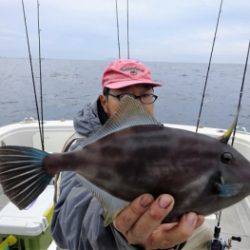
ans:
(120, 85)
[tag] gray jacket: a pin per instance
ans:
(77, 222)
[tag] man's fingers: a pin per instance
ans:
(151, 219)
(128, 216)
(167, 226)
(140, 223)
(185, 228)
(200, 221)
(178, 234)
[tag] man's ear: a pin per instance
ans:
(104, 102)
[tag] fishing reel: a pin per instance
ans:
(218, 243)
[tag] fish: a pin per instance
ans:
(133, 154)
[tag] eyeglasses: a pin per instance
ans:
(145, 98)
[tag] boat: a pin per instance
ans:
(235, 219)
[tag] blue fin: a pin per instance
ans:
(228, 190)
(22, 175)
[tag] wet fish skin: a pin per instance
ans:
(134, 154)
(156, 160)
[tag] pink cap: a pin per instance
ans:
(126, 72)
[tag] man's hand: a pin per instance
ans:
(141, 223)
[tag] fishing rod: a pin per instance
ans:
(32, 71)
(118, 32)
(208, 68)
(241, 93)
(40, 71)
(218, 243)
(128, 49)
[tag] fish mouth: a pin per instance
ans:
(225, 186)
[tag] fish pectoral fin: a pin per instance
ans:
(228, 190)
(110, 217)
(111, 205)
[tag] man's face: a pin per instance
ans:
(111, 103)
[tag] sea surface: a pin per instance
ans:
(70, 84)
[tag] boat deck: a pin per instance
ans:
(235, 221)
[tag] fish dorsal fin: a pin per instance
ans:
(226, 136)
(130, 113)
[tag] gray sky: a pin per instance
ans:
(160, 30)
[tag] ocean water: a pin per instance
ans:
(70, 84)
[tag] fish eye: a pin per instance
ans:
(226, 157)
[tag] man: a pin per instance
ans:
(78, 221)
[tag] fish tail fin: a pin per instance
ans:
(22, 175)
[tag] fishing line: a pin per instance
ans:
(128, 49)
(40, 71)
(32, 71)
(209, 64)
(118, 32)
(241, 93)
